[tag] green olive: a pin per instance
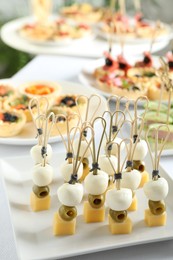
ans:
(96, 201)
(139, 165)
(67, 213)
(118, 216)
(156, 207)
(41, 192)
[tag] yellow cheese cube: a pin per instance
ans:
(134, 204)
(144, 178)
(39, 204)
(62, 227)
(93, 215)
(155, 220)
(120, 228)
(86, 170)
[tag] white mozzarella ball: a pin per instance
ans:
(131, 180)
(156, 190)
(119, 199)
(42, 175)
(141, 150)
(114, 150)
(83, 148)
(67, 170)
(96, 184)
(105, 165)
(70, 194)
(36, 153)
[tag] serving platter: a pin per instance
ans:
(33, 231)
(28, 134)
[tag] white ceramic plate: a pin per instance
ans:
(33, 231)
(132, 39)
(28, 134)
(19, 23)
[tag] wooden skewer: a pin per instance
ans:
(137, 5)
(112, 4)
(155, 159)
(122, 7)
(95, 154)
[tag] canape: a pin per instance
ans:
(11, 123)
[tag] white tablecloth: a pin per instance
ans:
(62, 68)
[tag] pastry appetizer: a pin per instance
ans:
(6, 91)
(11, 122)
(119, 200)
(47, 89)
(69, 101)
(37, 32)
(157, 188)
(122, 86)
(96, 183)
(42, 173)
(19, 103)
(70, 194)
(62, 115)
(67, 30)
(82, 12)
(112, 67)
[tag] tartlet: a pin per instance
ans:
(11, 123)
(6, 91)
(61, 123)
(82, 12)
(37, 32)
(122, 86)
(68, 102)
(19, 103)
(47, 89)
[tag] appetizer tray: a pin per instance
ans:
(28, 134)
(33, 231)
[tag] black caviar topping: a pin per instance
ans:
(60, 119)
(146, 60)
(170, 64)
(135, 88)
(108, 62)
(9, 117)
(68, 101)
(122, 65)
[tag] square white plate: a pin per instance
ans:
(33, 231)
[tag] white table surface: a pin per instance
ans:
(62, 68)
(83, 48)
